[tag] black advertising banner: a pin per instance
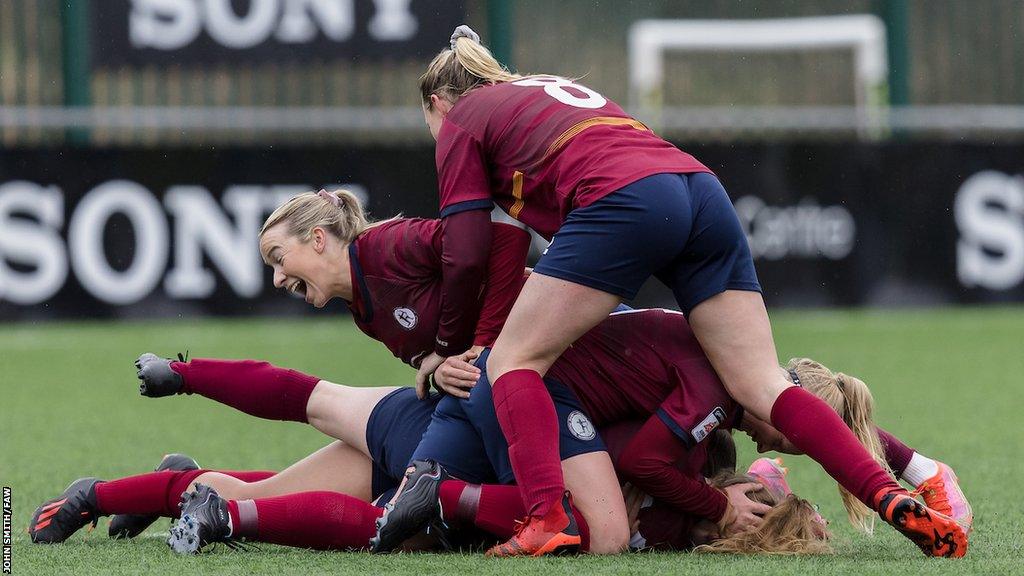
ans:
(149, 232)
(142, 233)
(185, 32)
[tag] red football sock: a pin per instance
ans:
(249, 476)
(158, 492)
(493, 508)
(897, 454)
(317, 520)
(256, 388)
(815, 428)
(152, 493)
(528, 419)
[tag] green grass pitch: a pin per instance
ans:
(949, 382)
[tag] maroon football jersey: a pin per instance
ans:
(396, 280)
(642, 362)
(542, 146)
(661, 527)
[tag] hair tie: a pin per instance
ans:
(464, 31)
(793, 376)
(332, 198)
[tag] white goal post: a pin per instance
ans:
(649, 40)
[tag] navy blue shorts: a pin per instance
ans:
(680, 228)
(465, 437)
(393, 431)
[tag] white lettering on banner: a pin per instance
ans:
(336, 17)
(85, 239)
(163, 24)
(240, 31)
(31, 243)
(174, 24)
(806, 230)
(393, 21)
(225, 233)
(200, 226)
(990, 251)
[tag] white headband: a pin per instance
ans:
(464, 31)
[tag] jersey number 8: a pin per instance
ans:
(556, 88)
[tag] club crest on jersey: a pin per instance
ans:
(715, 419)
(580, 426)
(406, 317)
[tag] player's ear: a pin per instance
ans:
(442, 105)
(319, 240)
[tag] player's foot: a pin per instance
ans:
(417, 506)
(59, 518)
(942, 493)
(131, 525)
(556, 532)
(204, 520)
(934, 533)
(772, 475)
(157, 377)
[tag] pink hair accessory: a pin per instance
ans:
(332, 198)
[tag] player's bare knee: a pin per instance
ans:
(500, 362)
(612, 538)
(316, 405)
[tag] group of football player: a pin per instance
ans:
(566, 421)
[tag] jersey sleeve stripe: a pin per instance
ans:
(481, 204)
(675, 428)
(517, 193)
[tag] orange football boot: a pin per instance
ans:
(942, 493)
(934, 533)
(554, 533)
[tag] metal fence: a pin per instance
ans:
(946, 53)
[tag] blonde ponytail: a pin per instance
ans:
(851, 398)
(338, 212)
(467, 64)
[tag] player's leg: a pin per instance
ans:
(601, 254)
(257, 388)
(714, 283)
(549, 314)
(319, 520)
(266, 391)
(131, 525)
(599, 510)
(336, 467)
(465, 439)
(935, 481)
(597, 495)
(343, 412)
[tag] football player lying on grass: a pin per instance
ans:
(386, 422)
(330, 520)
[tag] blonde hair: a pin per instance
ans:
(345, 219)
(455, 71)
(852, 400)
(789, 528)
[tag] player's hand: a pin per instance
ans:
(427, 367)
(743, 513)
(634, 498)
(457, 376)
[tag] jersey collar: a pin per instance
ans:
(362, 304)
